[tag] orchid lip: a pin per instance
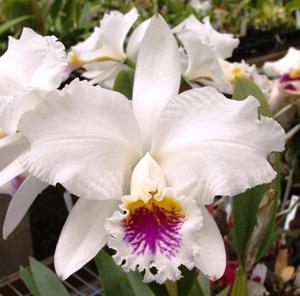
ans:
(154, 226)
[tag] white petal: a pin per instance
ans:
(83, 235)
(33, 61)
(85, 138)
(135, 39)
(211, 259)
(11, 147)
(13, 170)
(283, 65)
(21, 203)
(103, 73)
(157, 76)
(209, 145)
(163, 234)
(13, 185)
(146, 178)
(13, 107)
(223, 44)
(108, 39)
(203, 63)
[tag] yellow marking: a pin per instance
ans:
(76, 61)
(2, 133)
(295, 73)
(168, 203)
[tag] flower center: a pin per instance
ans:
(154, 226)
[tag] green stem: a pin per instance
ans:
(240, 286)
(171, 288)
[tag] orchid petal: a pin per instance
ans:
(203, 64)
(11, 147)
(223, 44)
(157, 236)
(13, 170)
(290, 61)
(13, 107)
(209, 145)
(103, 73)
(33, 61)
(107, 41)
(85, 138)
(135, 39)
(83, 235)
(157, 76)
(21, 202)
(211, 259)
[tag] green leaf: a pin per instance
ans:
(244, 209)
(185, 284)
(204, 284)
(28, 279)
(113, 278)
(124, 83)
(271, 232)
(244, 87)
(196, 290)
(5, 27)
(293, 5)
(224, 292)
(138, 286)
(46, 280)
(240, 284)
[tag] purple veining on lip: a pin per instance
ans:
(154, 229)
(290, 87)
(16, 183)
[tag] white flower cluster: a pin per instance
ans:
(144, 170)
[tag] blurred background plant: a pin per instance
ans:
(72, 21)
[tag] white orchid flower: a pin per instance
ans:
(200, 64)
(285, 90)
(222, 44)
(102, 54)
(204, 49)
(30, 67)
(284, 65)
(236, 70)
(145, 169)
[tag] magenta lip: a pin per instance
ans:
(154, 229)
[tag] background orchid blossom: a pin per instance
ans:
(236, 70)
(102, 54)
(30, 67)
(204, 49)
(144, 170)
(286, 64)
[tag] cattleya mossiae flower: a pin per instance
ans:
(102, 54)
(203, 51)
(288, 63)
(285, 90)
(161, 157)
(236, 70)
(30, 67)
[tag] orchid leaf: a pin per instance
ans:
(28, 280)
(244, 87)
(185, 284)
(113, 278)
(46, 280)
(244, 209)
(224, 292)
(124, 83)
(8, 25)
